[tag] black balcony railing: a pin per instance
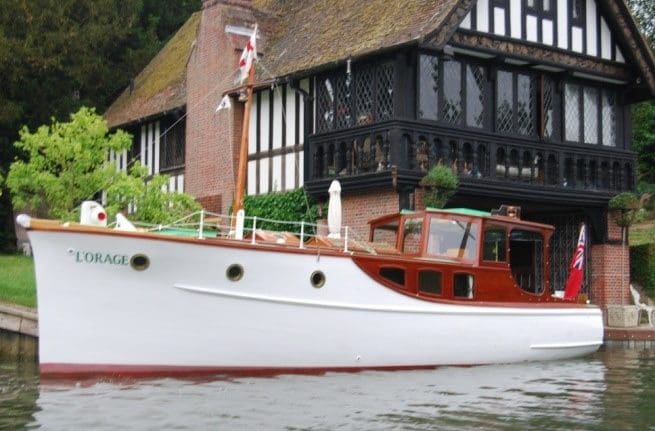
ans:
(413, 148)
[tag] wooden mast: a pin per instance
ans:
(240, 186)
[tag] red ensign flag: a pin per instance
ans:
(574, 283)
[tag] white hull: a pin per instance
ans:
(184, 313)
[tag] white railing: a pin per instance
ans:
(205, 224)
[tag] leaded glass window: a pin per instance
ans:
(505, 101)
(590, 104)
(609, 118)
(548, 109)
(452, 92)
(572, 112)
(475, 96)
(429, 87)
(525, 112)
(325, 105)
(384, 93)
(363, 97)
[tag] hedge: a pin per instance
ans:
(642, 266)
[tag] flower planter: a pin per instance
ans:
(622, 316)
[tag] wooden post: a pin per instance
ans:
(240, 186)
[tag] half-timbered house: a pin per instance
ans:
(527, 100)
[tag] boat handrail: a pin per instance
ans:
(201, 222)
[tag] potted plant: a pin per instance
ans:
(439, 184)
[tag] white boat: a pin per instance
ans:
(431, 288)
(427, 289)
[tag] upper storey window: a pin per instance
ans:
(590, 115)
(525, 105)
(363, 96)
(452, 92)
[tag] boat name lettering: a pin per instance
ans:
(82, 256)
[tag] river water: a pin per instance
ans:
(610, 390)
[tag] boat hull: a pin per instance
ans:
(183, 314)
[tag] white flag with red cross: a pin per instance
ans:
(248, 56)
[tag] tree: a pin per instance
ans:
(66, 163)
(59, 55)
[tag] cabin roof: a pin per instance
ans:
(161, 85)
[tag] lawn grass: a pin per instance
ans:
(17, 282)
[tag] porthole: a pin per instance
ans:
(139, 262)
(317, 279)
(234, 272)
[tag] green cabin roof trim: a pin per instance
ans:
(161, 86)
(461, 211)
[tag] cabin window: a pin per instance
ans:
(386, 233)
(395, 275)
(494, 248)
(430, 282)
(463, 286)
(453, 239)
(412, 235)
(527, 260)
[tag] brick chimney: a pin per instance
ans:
(213, 138)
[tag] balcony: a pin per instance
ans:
(399, 153)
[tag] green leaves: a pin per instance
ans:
(66, 163)
(440, 184)
(289, 206)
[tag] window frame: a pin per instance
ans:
(464, 62)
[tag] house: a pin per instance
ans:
(527, 100)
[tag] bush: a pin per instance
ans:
(440, 184)
(288, 206)
(642, 266)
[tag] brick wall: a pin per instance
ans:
(212, 138)
(610, 268)
(359, 208)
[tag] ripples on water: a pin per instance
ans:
(610, 390)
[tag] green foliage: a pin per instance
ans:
(17, 282)
(440, 184)
(59, 55)
(644, 12)
(148, 197)
(289, 206)
(628, 207)
(642, 266)
(66, 163)
(643, 140)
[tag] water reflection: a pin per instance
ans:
(607, 391)
(19, 380)
(566, 395)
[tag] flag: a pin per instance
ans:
(225, 103)
(576, 268)
(248, 56)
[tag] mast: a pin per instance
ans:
(240, 186)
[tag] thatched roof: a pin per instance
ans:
(312, 33)
(161, 86)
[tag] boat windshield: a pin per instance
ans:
(453, 239)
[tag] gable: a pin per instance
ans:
(578, 26)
